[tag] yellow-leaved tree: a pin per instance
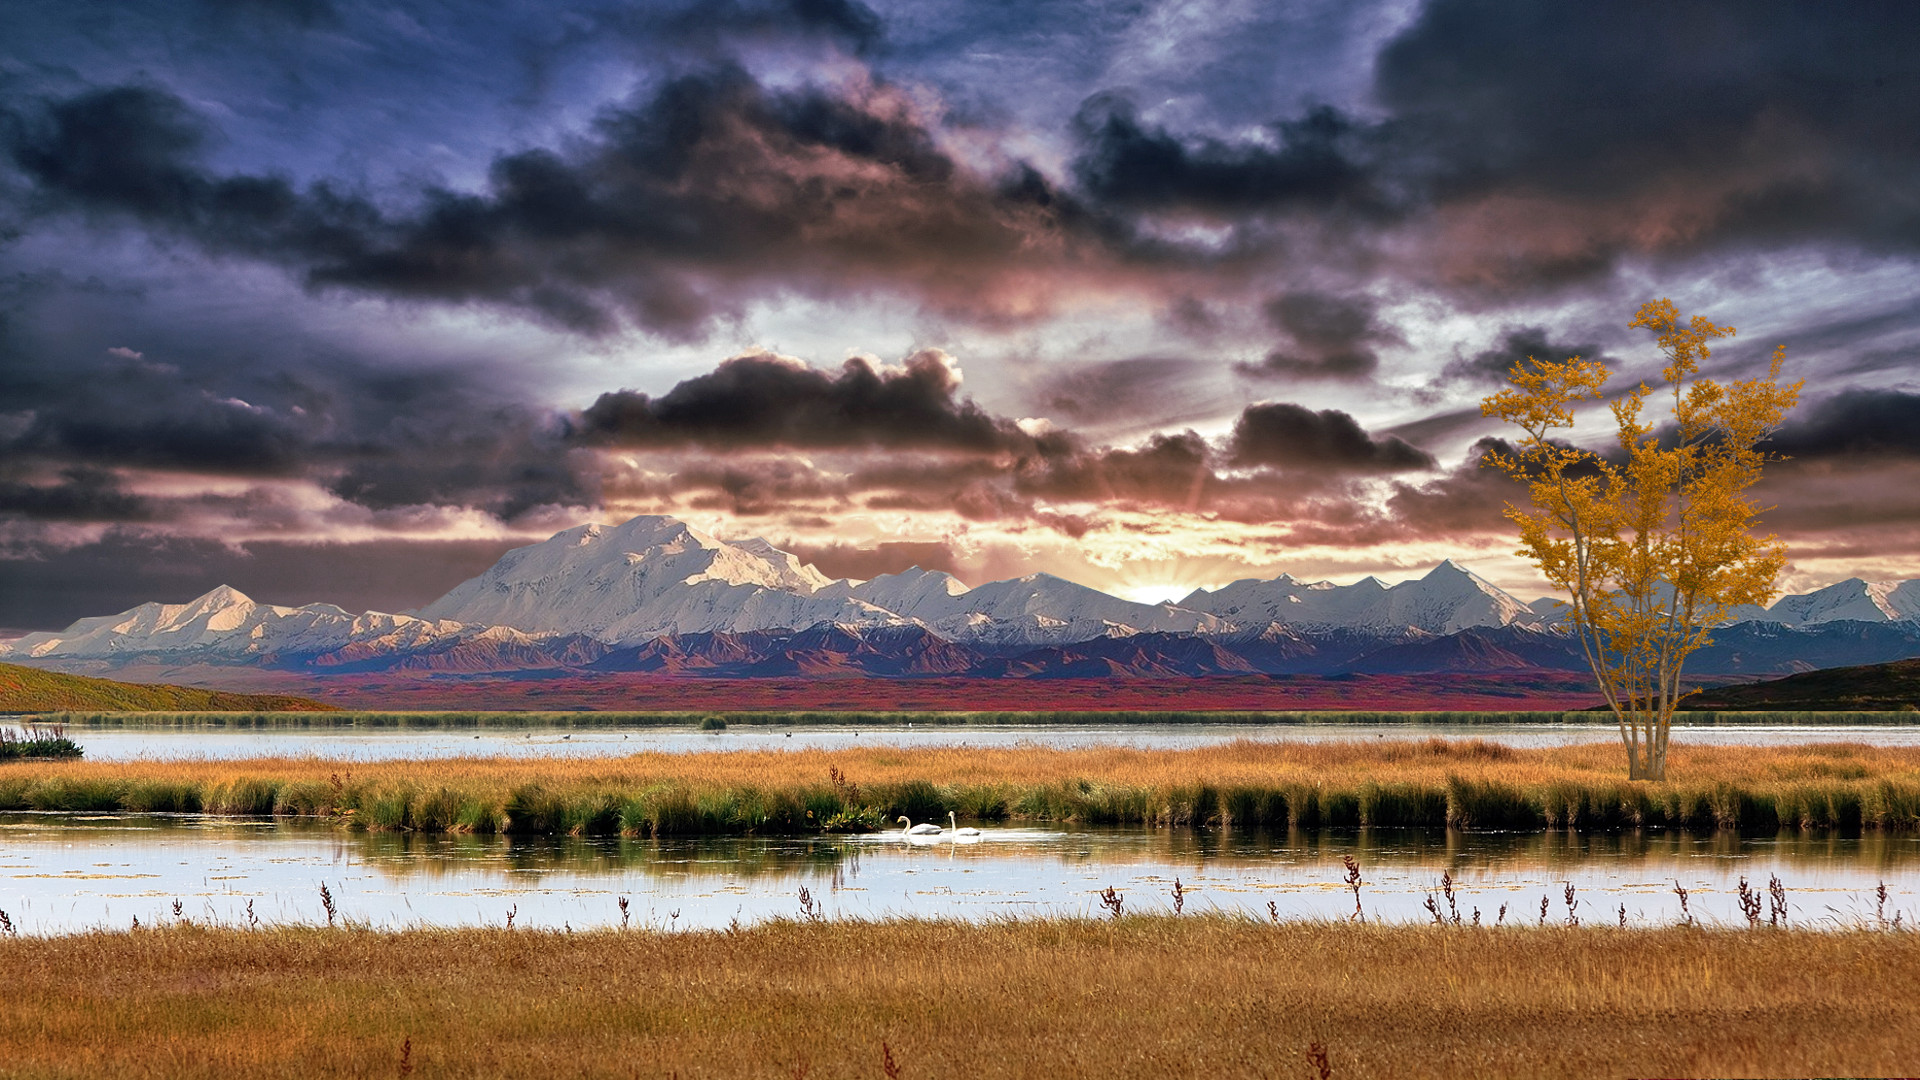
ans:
(1651, 545)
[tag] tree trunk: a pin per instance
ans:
(1647, 754)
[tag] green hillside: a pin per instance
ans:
(25, 689)
(1893, 686)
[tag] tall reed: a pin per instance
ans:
(1430, 783)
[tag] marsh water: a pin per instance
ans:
(360, 744)
(63, 873)
(69, 872)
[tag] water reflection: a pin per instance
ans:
(1461, 853)
(66, 872)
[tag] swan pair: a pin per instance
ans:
(923, 829)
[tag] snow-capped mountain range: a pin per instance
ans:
(592, 590)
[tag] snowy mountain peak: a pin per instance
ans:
(1854, 599)
(219, 597)
(652, 577)
(645, 577)
(909, 590)
(1446, 599)
(226, 625)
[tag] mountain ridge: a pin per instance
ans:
(30, 690)
(656, 592)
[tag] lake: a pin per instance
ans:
(63, 873)
(360, 744)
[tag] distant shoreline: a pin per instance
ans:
(431, 720)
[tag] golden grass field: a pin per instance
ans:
(1434, 782)
(1142, 996)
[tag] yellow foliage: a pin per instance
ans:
(1654, 544)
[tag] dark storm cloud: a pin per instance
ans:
(1611, 99)
(1168, 470)
(1516, 146)
(80, 494)
(1670, 127)
(1332, 337)
(887, 436)
(378, 438)
(761, 400)
(1295, 437)
(1525, 146)
(714, 442)
(503, 459)
(186, 431)
(1855, 423)
(130, 149)
(53, 586)
(1468, 499)
(1307, 164)
(756, 154)
(676, 209)
(756, 488)
(1516, 346)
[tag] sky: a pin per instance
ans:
(336, 301)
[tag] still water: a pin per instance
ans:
(62, 873)
(349, 744)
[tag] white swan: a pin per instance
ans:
(957, 830)
(918, 830)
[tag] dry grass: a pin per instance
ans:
(1208, 996)
(1295, 784)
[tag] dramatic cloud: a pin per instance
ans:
(1304, 164)
(1517, 346)
(1467, 500)
(124, 568)
(761, 399)
(674, 211)
(379, 440)
(1855, 423)
(1295, 437)
(1555, 140)
(1333, 337)
(1171, 470)
(900, 437)
(186, 431)
(1510, 147)
(79, 494)
(305, 272)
